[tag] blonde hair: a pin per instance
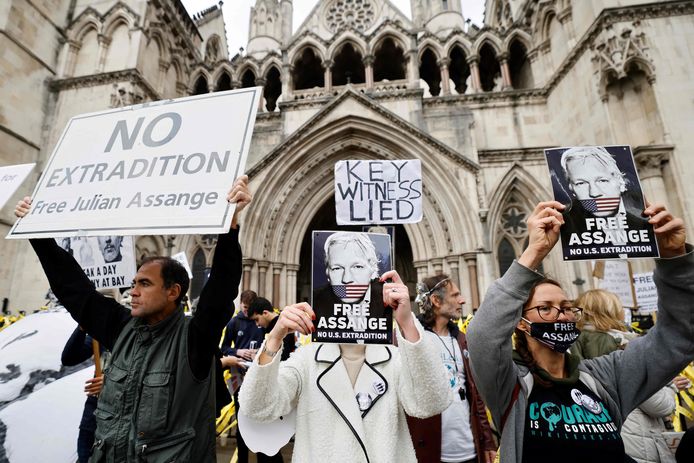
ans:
(602, 309)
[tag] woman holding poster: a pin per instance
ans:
(350, 402)
(548, 403)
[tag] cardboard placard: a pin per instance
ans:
(346, 294)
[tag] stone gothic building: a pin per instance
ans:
(358, 79)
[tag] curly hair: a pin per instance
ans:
(429, 287)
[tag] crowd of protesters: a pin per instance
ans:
(537, 376)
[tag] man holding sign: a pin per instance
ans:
(158, 396)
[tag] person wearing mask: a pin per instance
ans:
(548, 404)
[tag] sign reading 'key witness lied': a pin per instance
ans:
(162, 167)
(378, 192)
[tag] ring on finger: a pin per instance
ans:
(394, 290)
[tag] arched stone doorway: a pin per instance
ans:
(324, 219)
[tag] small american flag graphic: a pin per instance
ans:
(350, 291)
(601, 204)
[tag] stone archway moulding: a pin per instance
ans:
(301, 180)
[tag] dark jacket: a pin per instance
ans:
(426, 433)
(157, 403)
(240, 331)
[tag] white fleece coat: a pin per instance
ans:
(330, 427)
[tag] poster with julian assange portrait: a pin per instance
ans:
(604, 203)
(347, 296)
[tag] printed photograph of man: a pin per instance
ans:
(345, 265)
(604, 201)
(110, 247)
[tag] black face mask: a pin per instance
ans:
(558, 336)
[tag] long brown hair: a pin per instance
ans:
(520, 338)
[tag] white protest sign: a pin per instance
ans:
(10, 179)
(162, 168)
(183, 260)
(646, 292)
(379, 192)
(617, 279)
(108, 261)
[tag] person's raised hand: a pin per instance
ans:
(397, 295)
(297, 317)
(240, 195)
(669, 230)
(543, 232)
(23, 206)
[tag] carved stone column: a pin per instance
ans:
(292, 271)
(437, 265)
(72, 47)
(506, 83)
(328, 68)
(262, 274)
(471, 262)
(163, 69)
(287, 84)
(104, 43)
(247, 268)
(260, 82)
(413, 69)
(445, 84)
(276, 273)
(422, 269)
(650, 161)
(452, 262)
(369, 71)
(473, 62)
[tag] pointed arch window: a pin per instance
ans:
(201, 86)
(490, 70)
(308, 71)
(430, 72)
(273, 88)
(389, 61)
(459, 70)
(519, 66)
(224, 83)
(511, 233)
(349, 66)
(248, 79)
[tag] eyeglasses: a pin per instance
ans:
(549, 313)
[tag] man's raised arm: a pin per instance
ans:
(216, 303)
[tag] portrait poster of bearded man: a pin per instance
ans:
(602, 191)
(346, 292)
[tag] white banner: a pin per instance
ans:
(646, 292)
(108, 261)
(157, 168)
(378, 192)
(183, 260)
(617, 279)
(10, 179)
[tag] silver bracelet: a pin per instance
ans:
(270, 353)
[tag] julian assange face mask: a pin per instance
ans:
(558, 336)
